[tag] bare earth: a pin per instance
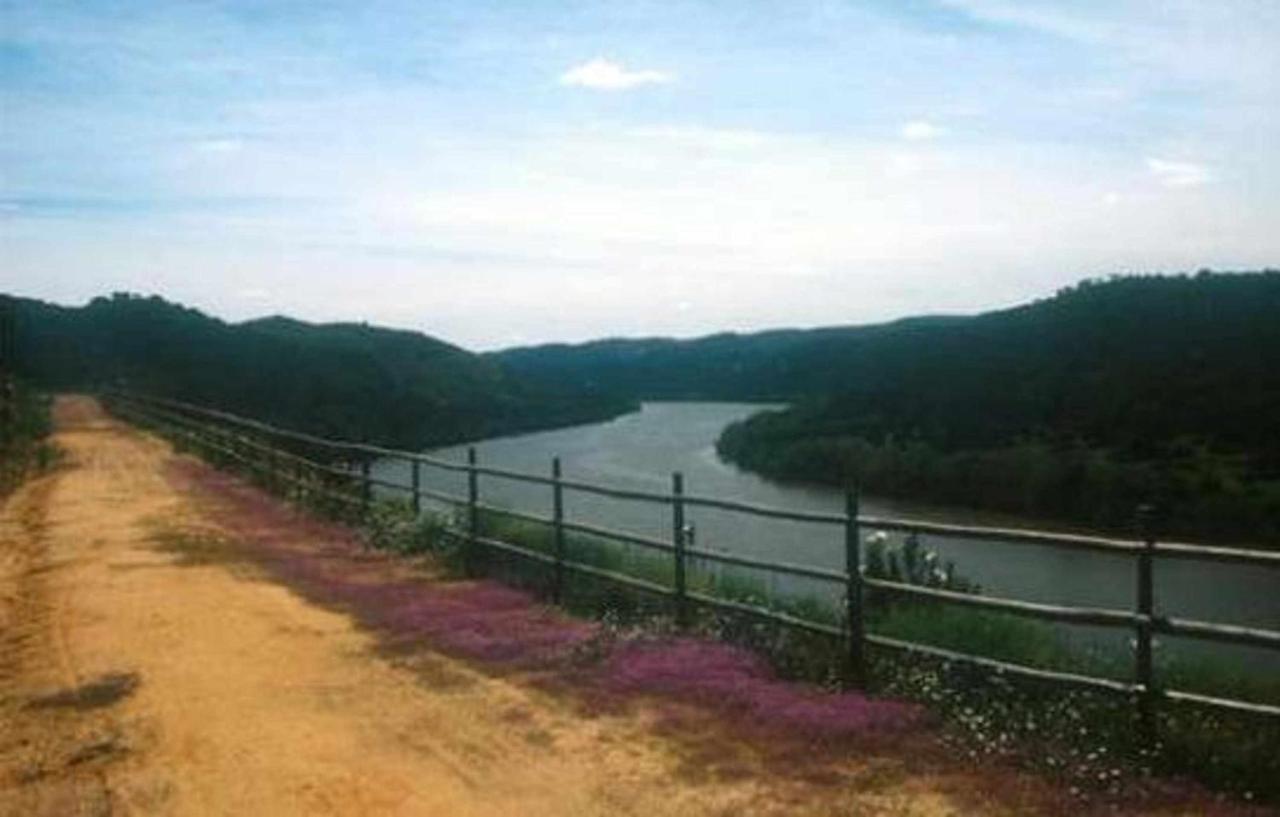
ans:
(139, 677)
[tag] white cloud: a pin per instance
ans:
(606, 75)
(920, 131)
(1178, 174)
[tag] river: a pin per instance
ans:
(641, 450)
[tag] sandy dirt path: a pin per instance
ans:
(146, 667)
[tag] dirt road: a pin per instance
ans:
(149, 664)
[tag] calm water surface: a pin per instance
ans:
(641, 450)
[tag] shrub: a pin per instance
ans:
(391, 525)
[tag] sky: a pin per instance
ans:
(506, 173)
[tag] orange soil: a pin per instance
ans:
(147, 667)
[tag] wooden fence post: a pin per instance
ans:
(557, 502)
(273, 470)
(197, 440)
(300, 481)
(210, 442)
(366, 487)
(473, 511)
(1143, 673)
(417, 488)
(231, 457)
(260, 459)
(243, 465)
(678, 540)
(855, 621)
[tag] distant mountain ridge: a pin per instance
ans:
(770, 366)
(344, 380)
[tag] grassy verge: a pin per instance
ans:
(650, 565)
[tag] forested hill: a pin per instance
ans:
(1077, 406)
(1136, 364)
(351, 381)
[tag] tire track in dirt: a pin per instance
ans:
(51, 747)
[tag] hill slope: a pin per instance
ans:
(344, 380)
(1078, 406)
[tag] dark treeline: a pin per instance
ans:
(1161, 389)
(774, 366)
(349, 381)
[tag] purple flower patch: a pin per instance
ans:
(497, 625)
(737, 681)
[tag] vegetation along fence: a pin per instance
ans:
(341, 470)
(8, 355)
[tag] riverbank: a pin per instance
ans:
(1195, 494)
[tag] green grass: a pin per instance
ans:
(988, 634)
(656, 567)
(24, 445)
(991, 634)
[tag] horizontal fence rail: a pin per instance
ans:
(1049, 612)
(277, 456)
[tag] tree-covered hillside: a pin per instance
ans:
(1137, 364)
(1078, 406)
(350, 381)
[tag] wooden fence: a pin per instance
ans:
(273, 454)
